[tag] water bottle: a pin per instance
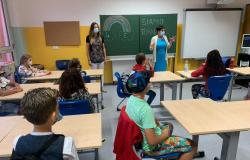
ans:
(186, 66)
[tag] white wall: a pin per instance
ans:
(25, 13)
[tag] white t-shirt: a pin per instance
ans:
(69, 148)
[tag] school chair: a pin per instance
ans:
(85, 77)
(128, 136)
(218, 85)
(120, 90)
(226, 61)
(74, 107)
(62, 64)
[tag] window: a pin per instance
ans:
(4, 37)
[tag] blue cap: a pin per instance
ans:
(138, 81)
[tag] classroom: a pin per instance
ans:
(125, 80)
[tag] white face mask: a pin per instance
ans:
(96, 30)
(30, 63)
(162, 33)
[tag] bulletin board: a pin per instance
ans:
(62, 33)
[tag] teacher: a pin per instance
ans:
(96, 52)
(160, 45)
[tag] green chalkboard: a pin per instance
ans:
(148, 23)
(131, 34)
(121, 34)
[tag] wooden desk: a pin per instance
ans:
(167, 77)
(93, 88)
(94, 72)
(240, 70)
(86, 131)
(55, 75)
(7, 124)
(188, 78)
(200, 117)
(244, 71)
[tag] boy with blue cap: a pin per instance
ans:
(157, 140)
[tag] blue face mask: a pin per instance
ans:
(96, 30)
(162, 33)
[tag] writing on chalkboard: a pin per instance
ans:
(124, 34)
(130, 34)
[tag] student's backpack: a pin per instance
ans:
(124, 78)
(36, 156)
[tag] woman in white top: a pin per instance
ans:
(159, 45)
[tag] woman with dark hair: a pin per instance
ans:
(212, 67)
(72, 87)
(160, 45)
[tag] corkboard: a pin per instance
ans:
(64, 33)
(247, 20)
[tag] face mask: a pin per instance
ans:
(30, 63)
(96, 30)
(162, 33)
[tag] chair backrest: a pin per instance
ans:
(74, 107)
(62, 64)
(218, 85)
(226, 61)
(127, 135)
(85, 77)
(120, 86)
(244, 63)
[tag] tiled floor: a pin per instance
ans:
(211, 144)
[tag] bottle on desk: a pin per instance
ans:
(186, 66)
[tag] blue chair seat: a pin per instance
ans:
(74, 107)
(120, 90)
(218, 85)
(62, 64)
(170, 156)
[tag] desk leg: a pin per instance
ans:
(174, 91)
(230, 89)
(196, 139)
(101, 92)
(96, 154)
(180, 94)
(161, 91)
(230, 145)
(97, 104)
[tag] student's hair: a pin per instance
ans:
(74, 63)
(70, 82)
(38, 104)
(91, 33)
(214, 64)
(139, 58)
(157, 29)
(24, 59)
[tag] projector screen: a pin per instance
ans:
(205, 30)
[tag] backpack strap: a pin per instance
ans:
(47, 144)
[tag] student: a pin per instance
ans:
(72, 87)
(26, 70)
(212, 67)
(143, 65)
(95, 48)
(75, 63)
(157, 140)
(39, 107)
(8, 87)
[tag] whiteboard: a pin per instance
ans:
(205, 30)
